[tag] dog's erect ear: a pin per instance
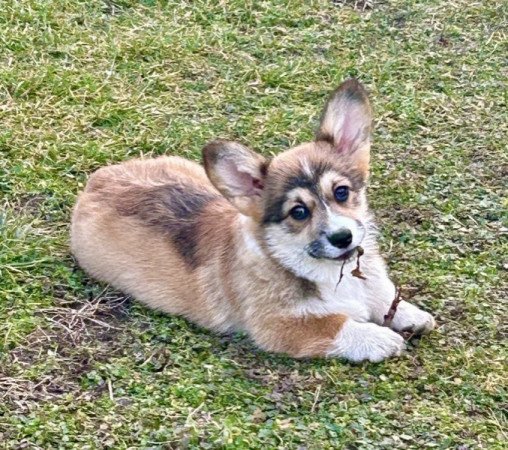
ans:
(346, 121)
(238, 173)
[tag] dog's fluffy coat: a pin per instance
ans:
(220, 247)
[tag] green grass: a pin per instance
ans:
(88, 83)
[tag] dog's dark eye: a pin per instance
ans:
(299, 213)
(341, 193)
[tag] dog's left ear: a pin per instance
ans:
(346, 122)
(238, 173)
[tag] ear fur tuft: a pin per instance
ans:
(346, 120)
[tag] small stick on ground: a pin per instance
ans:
(388, 318)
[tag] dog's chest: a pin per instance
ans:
(349, 296)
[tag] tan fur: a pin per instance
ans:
(160, 231)
(300, 337)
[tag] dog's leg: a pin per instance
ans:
(334, 335)
(408, 316)
(411, 318)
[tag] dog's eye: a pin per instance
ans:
(299, 213)
(341, 193)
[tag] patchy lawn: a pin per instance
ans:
(87, 83)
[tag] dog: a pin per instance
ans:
(254, 244)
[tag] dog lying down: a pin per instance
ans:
(253, 244)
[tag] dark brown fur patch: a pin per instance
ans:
(173, 209)
(325, 137)
(308, 288)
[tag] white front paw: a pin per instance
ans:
(358, 342)
(409, 317)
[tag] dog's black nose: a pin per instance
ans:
(341, 239)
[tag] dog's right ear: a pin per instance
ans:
(238, 173)
(346, 122)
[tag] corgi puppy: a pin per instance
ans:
(254, 244)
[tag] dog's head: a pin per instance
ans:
(308, 202)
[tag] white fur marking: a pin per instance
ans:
(306, 167)
(249, 240)
(366, 342)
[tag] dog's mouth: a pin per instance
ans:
(346, 256)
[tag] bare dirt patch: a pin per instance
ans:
(75, 339)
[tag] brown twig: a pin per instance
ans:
(341, 275)
(388, 318)
(356, 272)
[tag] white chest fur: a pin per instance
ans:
(361, 300)
(350, 296)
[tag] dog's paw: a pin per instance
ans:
(411, 318)
(358, 342)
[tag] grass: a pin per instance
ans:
(88, 83)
